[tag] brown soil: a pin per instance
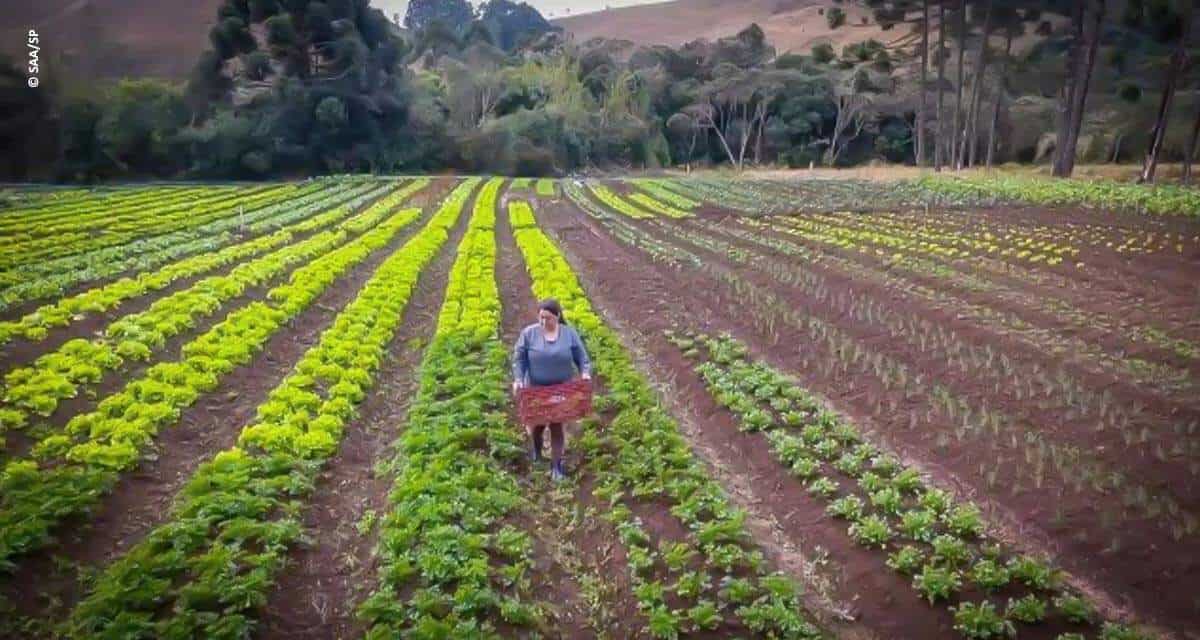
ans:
(640, 297)
(327, 578)
(142, 498)
(1055, 518)
(1137, 572)
(1159, 413)
(558, 555)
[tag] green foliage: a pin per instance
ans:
(989, 575)
(950, 551)
(512, 24)
(1028, 609)
(906, 560)
(864, 51)
(981, 621)
(1114, 631)
(455, 14)
(835, 17)
(823, 53)
(1033, 573)
(1075, 609)
(1130, 93)
(230, 37)
(937, 582)
(1101, 194)
(871, 531)
(257, 65)
(137, 121)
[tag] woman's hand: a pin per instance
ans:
(586, 376)
(517, 385)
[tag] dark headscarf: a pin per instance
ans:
(552, 305)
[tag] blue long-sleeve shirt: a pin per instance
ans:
(538, 361)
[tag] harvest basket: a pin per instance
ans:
(554, 403)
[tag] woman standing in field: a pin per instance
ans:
(548, 352)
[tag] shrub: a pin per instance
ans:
(823, 53)
(835, 17)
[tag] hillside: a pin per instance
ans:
(110, 38)
(790, 25)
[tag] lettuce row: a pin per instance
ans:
(614, 201)
(205, 571)
(55, 376)
(713, 577)
(164, 220)
(52, 278)
(655, 188)
(70, 471)
(450, 566)
(34, 325)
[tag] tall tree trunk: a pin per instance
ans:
(1190, 152)
(939, 145)
(1178, 59)
(1000, 94)
(969, 148)
(958, 90)
(1079, 108)
(1067, 96)
(923, 110)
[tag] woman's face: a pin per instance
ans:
(547, 319)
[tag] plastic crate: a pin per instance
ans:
(554, 403)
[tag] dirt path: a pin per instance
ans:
(643, 300)
(316, 596)
(558, 558)
(142, 497)
(1131, 573)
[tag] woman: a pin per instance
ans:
(547, 353)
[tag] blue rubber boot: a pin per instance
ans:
(557, 472)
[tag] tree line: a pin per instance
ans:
(301, 87)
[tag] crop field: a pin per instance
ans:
(935, 408)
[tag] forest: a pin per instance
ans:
(290, 88)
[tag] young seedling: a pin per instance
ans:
(1075, 609)
(1028, 609)
(937, 583)
(989, 575)
(981, 621)
(906, 560)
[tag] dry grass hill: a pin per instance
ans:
(109, 38)
(790, 25)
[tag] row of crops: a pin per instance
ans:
(210, 563)
(1158, 199)
(120, 332)
(835, 282)
(924, 532)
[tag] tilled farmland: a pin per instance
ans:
(825, 409)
